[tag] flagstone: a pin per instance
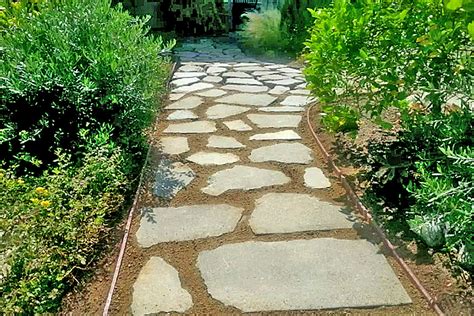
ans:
(288, 69)
(174, 145)
(283, 152)
(178, 75)
(236, 74)
(170, 224)
(194, 87)
(264, 73)
(184, 81)
(185, 104)
(225, 110)
(245, 88)
(210, 158)
(213, 93)
(281, 109)
(285, 82)
(196, 127)
(314, 178)
(250, 68)
(215, 70)
(158, 289)
(282, 135)
(212, 79)
(248, 99)
(176, 96)
(243, 178)
(280, 213)
(238, 125)
(296, 275)
(243, 81)
(296, 100)
(181, 115)
(171, 177)
(278, 90)
(273, 77)
(275, 120)
(190, 68)
(224, 142)
(300, 91)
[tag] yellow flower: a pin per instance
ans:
(41, 190)
(45, 203)
(21, 181)
(35, 200)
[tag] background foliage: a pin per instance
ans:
(80, 82)
(367, 57)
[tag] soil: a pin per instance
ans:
(90, 298)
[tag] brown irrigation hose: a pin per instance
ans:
(123, 245)
(368, 217)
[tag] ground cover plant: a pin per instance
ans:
(81, 82)
(415, 58)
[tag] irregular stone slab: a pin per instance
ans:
(236, 74)
(194, 87)
(174, 145)
(184, 81)
(250, 68)
(274, 66)
(224, 110)
(158, 289)
(171, 177)
(186, 103)
(178, 75)
(210, 159)
(215, 70)
(175, 96)
(191, 68)
(248, 99)
(211, 93)
(275, 120)
(278, 90)
(165, 224)
(264, 73)
(285, 153)
(243, 178)
(181, 115)
(296, 100)
(245, 88)
(223, 142)
(246, 64)
(285, 82)
(314, 178)
(212, 79)
(244, 81)
(290, 70)
(281, 213)
(281, 109)
(273, 77)
(283, 135)
(197, 127)
(237, 125)
(323, 273)
(301, 86)
(301, 92)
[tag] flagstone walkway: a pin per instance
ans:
(233, 131)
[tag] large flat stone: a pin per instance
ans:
(171, 177)
(297, 100)
(181, 115)
(224, 142)
(215, 70)
(185, 104)
(285, 82)
(225, 110)
(210, 159)
(238, 125)
(275, 120)
(243, 178)
(193, 88)
(273, 77)
(278, 90)
(212, 79)
(245, 88)
(300, 92)
(184, 81)
(244, 81)
(158, 289)
(198, 127)
(178, 75)
(284, 152)
(290, 70)
(236, 74)
(176, 96)
(282, 135)
(166, 224)
(213, 93)
(174, 145)
(281, 109)
(248, 99)
(277, 213)
(314, 178)
(321, 273)
(191, 68)
(250, 68)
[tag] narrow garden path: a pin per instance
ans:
(242, 215)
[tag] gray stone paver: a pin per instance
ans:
(216, 91)
(166, 224)
(298, 275)
(158, 289)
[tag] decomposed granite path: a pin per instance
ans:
(242, 192)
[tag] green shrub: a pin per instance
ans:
(416, 57)
(51, 226)
(76, 66)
